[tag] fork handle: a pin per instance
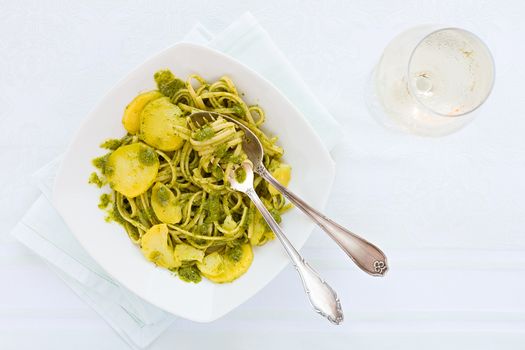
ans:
(366, 256)
(322, 297)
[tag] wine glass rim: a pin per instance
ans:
(491, 58)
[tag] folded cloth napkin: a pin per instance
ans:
(43, 231)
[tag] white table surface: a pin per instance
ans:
(458, 247)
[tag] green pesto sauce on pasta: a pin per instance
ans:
(201, 224)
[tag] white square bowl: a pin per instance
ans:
(109, 245)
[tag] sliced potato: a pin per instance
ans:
(282, 174)
(229, 224)
(131, 169)
(186, 252)
(131, 117)
(165, 205)
(155, 247)
(157, 123)
(211, 265)
(233, 269)
(257, 228)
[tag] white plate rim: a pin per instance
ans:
(59, 203)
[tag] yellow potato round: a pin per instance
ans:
(165, 205)
(131, 169)
(233, 269)
(131, 117)
(257, 229)
(155, 247)
(282, 174)
(186, 252)
(158, 122)
(211, 265)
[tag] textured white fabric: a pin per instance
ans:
(447, 211)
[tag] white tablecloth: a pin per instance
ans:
(447, 211)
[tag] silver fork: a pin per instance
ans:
(322, 297)
(365, 255)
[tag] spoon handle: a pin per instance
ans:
(322, 297)
(365, 255)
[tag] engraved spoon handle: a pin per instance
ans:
(366, 256)
(322, 297)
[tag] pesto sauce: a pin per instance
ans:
(146, 216)
(163, 76)
(276, 215)
(189, 273)
(147, 156)
(171, 88)
(132, 232)
(114, 215)
(220, 151)
(217, 172)
(102, 164)
(167, 83)
(111, 144)
(237, 109)
(240, 175)
(235, 159)
(214, 208)
(235, 253)
(108, 170)
(104, 201)
(202, 229)
(95, 180)
(249, 218)
(163, 196)
(204, 133)
(265, 224)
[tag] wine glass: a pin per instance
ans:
(430, 80)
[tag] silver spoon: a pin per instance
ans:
(366, 256)
(322, 297)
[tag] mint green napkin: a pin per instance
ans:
(43, 231)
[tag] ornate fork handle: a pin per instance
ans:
(366, 255)
(322, 297)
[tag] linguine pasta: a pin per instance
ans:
(168, 185)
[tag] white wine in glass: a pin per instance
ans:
(430, 80)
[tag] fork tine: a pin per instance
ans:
(193, 124)
(199, 119)
(209, 118)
